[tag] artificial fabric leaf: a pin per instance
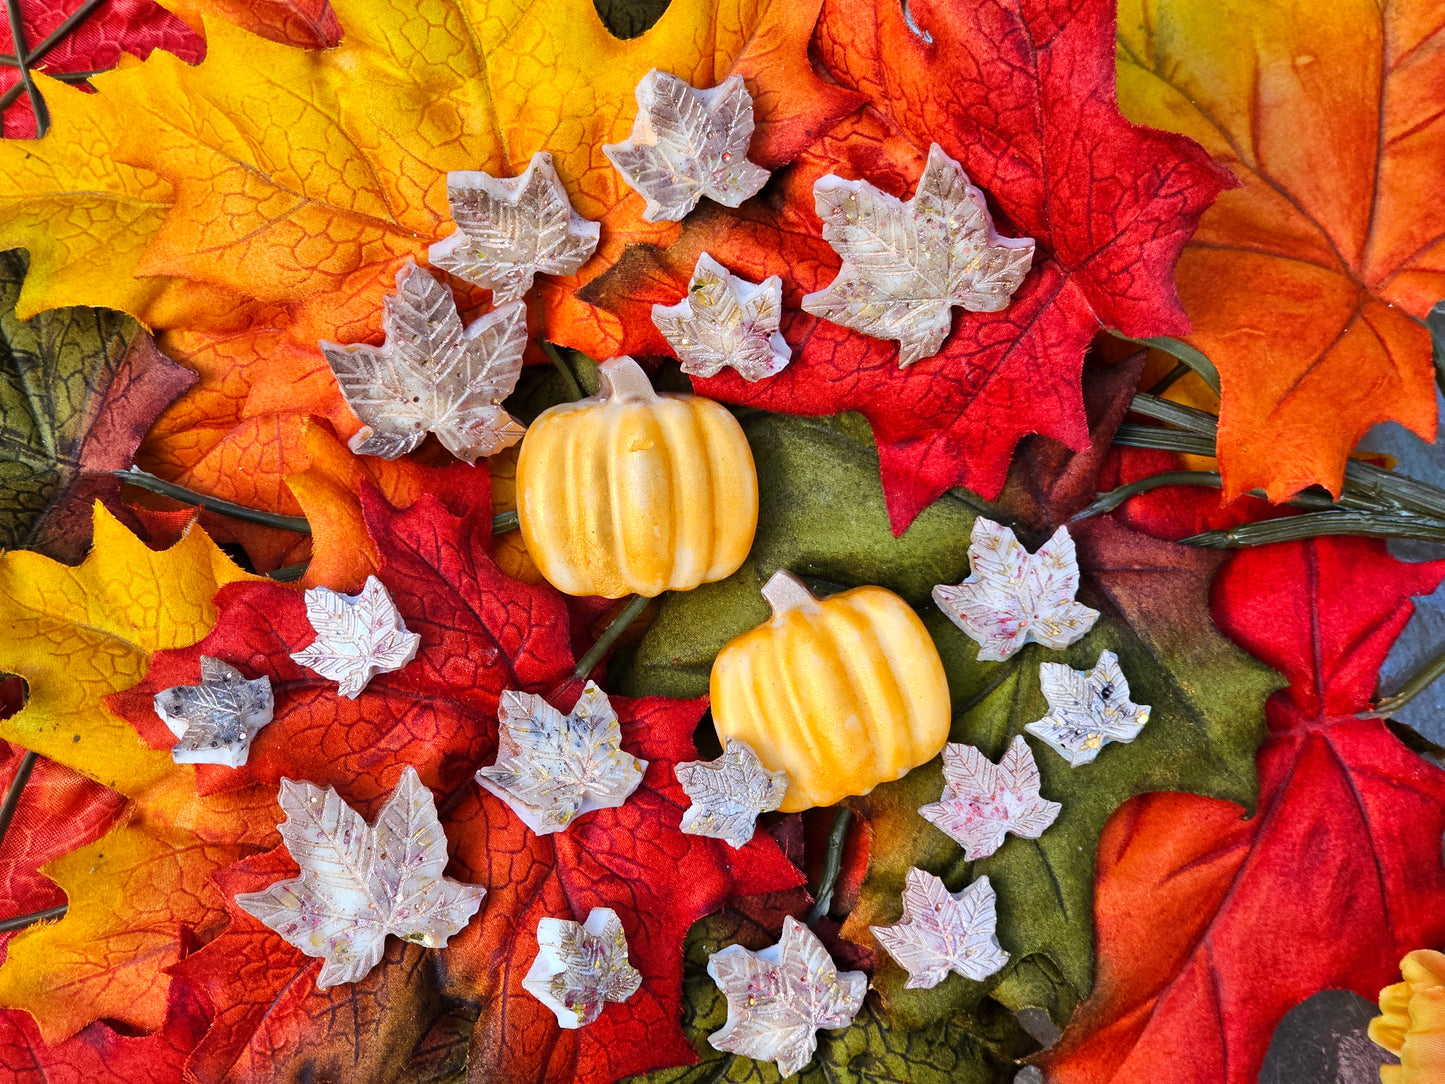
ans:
(1021, 95)
(270, 1020)
(907, 266)
(121, 26)
(964, 1049)
(129, 890)
(686, 143)
(360, 883)
(78, 387)
(1308, 285)
(308, 23)
(1212, 926)
(822, 513)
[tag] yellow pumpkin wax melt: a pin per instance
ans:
(635, 492)
(842, 693)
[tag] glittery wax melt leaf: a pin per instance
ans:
(907, 266)
(778, 998)
(215, 721)
(982, 801)
(361, 883)
(433, 375)
(1307, 287)
(1020, 94)
(1012, 596)
(509, 230)
(581, 966)
(356, 637)
(1212, 926)
(964, 1048)
(686, 143)
(726, 322)
(727, 794)
(1088, 709)
(1152, 596)
(943, 931)
(78, 387)
(551, 768)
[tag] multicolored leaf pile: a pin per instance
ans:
(249, 181)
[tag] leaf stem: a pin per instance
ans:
(559, 363)
(1418, 682)
(19, 922)
(609, 636)
(503, 522)
(1313, 524)
(27, 81)
(1173, 376)
(137, 477)
(12, 793)
(832, 863)
(1107, 502)
(288, 574)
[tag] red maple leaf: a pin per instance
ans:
(1021, 93)
(1210, 926)
(96, 44)
(481, 632)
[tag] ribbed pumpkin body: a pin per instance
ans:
(635, 492)
(842, 694)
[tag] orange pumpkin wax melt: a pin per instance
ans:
(632, 491)
(842, 693)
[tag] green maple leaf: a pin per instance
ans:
(822, 516)
(78, 388)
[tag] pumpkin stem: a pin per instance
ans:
(786, 592)
(623, 378)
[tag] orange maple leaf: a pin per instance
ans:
(1307, 285)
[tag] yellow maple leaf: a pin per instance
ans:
(77, 635)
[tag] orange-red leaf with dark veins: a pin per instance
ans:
(481, 632)
(634, 859)
(1021, 93)
(270, 1021)
(1209, 926)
